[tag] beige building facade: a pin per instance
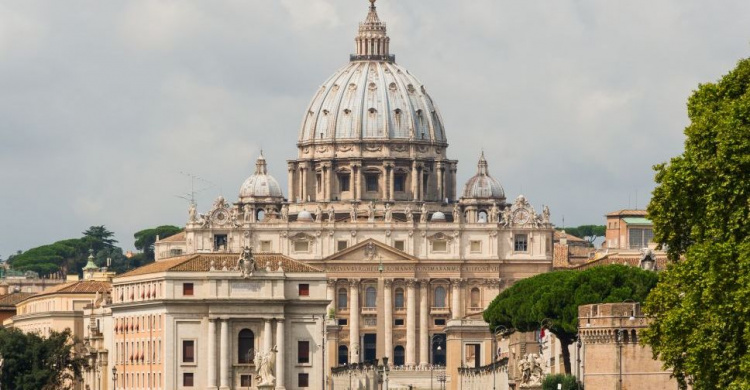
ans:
(374, 203)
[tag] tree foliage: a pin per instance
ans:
(145, 239)
(568, 382)
(700, 208)
(31, 362)
(587, 232)
(557, 295)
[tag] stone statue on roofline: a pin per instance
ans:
(331, 214)
(246, 262)
(456, 213)
(409, 214)
(265, 367)
(192, 213)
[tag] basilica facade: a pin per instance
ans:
(409, 261)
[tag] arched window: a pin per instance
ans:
(399, 298)
(475, 297)
(370, 297)
(440, 296)
(245, 344)
(398, 356)
(342, 301)
(260, 215)
(343, 355)
(482, 217)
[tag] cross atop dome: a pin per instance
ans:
(372, 41)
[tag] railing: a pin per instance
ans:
(501, 364)
(372, 57)
(439, 310)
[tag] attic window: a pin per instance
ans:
(372, 110)
(347, 111)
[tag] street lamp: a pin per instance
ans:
(442, 379)
(435, 340)
(114, 377)
(499, 330)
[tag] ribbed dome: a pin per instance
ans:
(260, 184)
(482, 185)
(372, 98)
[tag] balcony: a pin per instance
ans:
(369, 311)
(439, 310)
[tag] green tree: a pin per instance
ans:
(557, 295)
(98, 237)
(568, 382)
(587, 232)
(31, 362)
(700, 207)
(145, 239)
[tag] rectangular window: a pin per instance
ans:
(371, 182)
(425, 180)
(188, 351)
(246, 380)
(187, 379)
(303, 352)
(440, 322)
(472, 355)
(303, 380)
(439, 246)
(399, 182)
(265, 246)
(343, 322)
(398, 322)
(521, 243)
(341, 245)
(304, 290)
(344, 182)
(640, 238)
(220, 241)
(476, 246)
(187, 289)
(175, 252)
(319, 182)
(301, 246)
(399, 245)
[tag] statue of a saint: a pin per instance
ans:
(456, 213)
(318, 214)
(248, 213)
(545, 215)
(192, 213)
(388, 212)
(494, 213)
(506, 217)
(353, 213)
(331, 214)
(371, 212)
(423, 213)
(285, 213)
(265, 366)
(409, 214)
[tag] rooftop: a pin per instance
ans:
(628, 213)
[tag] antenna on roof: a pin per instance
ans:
(636, 199)
(190, 196)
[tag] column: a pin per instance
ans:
(330, 295)
(290, 179)
(281, 351)
(225, 355)
(414, 180)
(303, 183)
(410, 323)
(267, 336)
(359, 182)
(456, 301)
(211, 354)
(424, 317)
(354, 321)
(388, 309)
(440, 194)
(420, 184)
(392, 187)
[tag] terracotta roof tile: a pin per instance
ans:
(12, 299)
(634, 261)
(79, 287)
(624, 212)
(201, 262)
(175, 237)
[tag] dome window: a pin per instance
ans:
(347, 111)
(392, 87)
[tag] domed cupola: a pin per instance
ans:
(371, 99)
(260, 187)
(482, 185)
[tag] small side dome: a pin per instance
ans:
(482, 185)
(438, 216)
(304, 216)
(261, 185)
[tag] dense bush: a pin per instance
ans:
(569, 382)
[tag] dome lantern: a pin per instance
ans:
(372, 41)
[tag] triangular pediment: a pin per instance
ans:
(372, 250)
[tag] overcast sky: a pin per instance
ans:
(104, 103)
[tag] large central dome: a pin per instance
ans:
(372, 98)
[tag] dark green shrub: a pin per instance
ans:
(569, 382)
